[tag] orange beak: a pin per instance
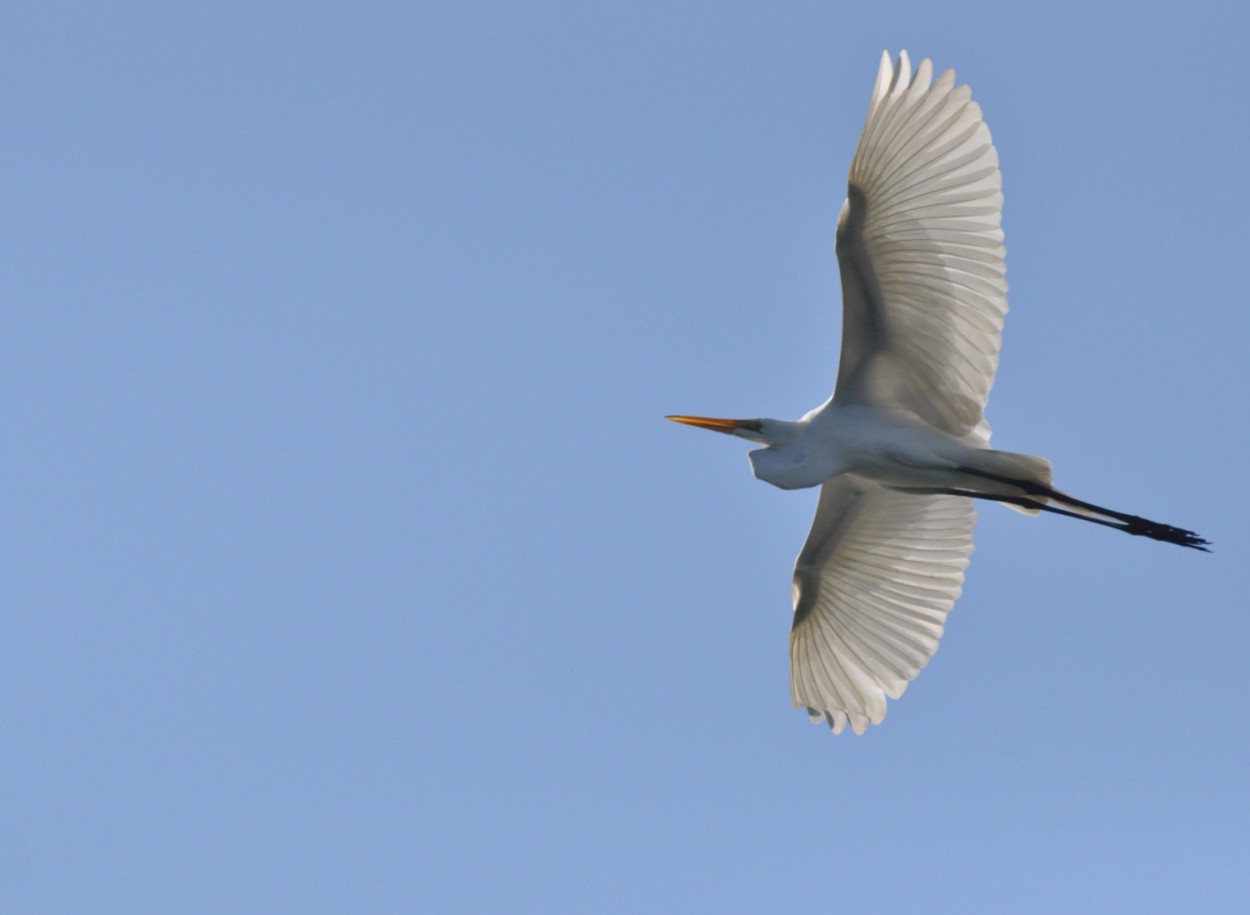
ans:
(716, 425)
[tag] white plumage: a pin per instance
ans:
(872, 587)
(901, 449)
(921, 254)
(923, 296)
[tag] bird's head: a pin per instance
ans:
(782, 462)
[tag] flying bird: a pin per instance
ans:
(902, 449)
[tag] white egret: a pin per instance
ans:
(901, 449)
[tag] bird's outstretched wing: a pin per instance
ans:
(920, 251)
(872, 587)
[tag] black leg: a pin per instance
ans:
(1130, 524)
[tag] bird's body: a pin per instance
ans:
(890, 447)
(901, 450)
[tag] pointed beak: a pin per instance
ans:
(728, 426)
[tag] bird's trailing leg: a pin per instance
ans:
(1086, 511)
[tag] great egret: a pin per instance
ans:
(901, 449)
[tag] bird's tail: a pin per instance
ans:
(1013, 474)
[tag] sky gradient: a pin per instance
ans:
(349, 564)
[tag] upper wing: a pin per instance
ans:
(872, 587)
(921, 255)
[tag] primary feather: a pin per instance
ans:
(920, 249)
(879, 572)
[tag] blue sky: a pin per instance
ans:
(350, 566)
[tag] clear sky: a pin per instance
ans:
(349, 565)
